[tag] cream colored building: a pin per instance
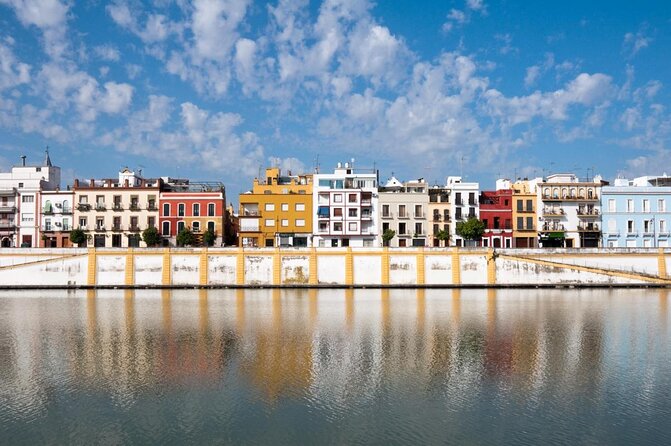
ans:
(114, 212)
(403, 208)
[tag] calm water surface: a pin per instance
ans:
(335, 367)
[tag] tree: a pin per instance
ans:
(472, 229)
(387, 236)
(185, 237)
(209, 237)
(151, 236)
(443, 235)
(78, 237)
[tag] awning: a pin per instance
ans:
(555, 235)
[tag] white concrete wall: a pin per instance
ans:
(63, 267)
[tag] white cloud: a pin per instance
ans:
(107, 52)
(12, 72)
(532, 75)
(476, 5)
(50, 16)
(634, 42)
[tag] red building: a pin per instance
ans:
(496, 212)
(196, 206)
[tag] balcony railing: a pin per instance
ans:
(83, 207)
(101, 207)
(117, 228)
(590, 228)
(66, 210)
(134, 228)
(152, 207)
(134, 207)
(7, 209)
(554, 227)
(7, 225)
(553, 211)
(588, 212)
(437, 217)
(117, 207)
(100, 228)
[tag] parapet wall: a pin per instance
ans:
(339, 267)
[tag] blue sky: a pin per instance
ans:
(218, 89)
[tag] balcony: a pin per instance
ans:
(525, 228)
(134, 207)
(632, 233)
(7, 209)
(101, 207)
(48, 211)
(134, 228)
(83, 207)
(663, 234)
(84, 227)
(7, 225)
(589, 228)
(588, 213)
(553, 227)
(437, 217)
(366, 202)
(100, 228)
(152, 207)
(117, 207)
(526, 210)
(67, 210)
(48, 228)
(553, 211)
(116, 228)
(366, 216)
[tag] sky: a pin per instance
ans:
(218, 90)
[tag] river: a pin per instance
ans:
(532, 366)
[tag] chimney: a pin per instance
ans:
(109, 183)
(76, 182)
(125, 182)
(23, 160)
(92, 182)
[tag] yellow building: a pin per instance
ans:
(277, 211)
(525, 224)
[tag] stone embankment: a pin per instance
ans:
(331, 267)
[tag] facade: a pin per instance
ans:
(403, 208)
(347, 206)
(525, 213)
(56, 218)
(197, 206)
(114, 212)
(439, 216)
(20, 191)
(570, 212)
(464, 205)
(278, 211)
(496, 212)
(635, 213)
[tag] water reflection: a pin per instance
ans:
(542, 357)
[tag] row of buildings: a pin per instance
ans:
(352, 208)
(348, 207)
(36, 212)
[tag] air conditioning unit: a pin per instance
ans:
(57, 223)
(59, 205)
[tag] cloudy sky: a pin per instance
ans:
(217, 89)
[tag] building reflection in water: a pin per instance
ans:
(332, 346)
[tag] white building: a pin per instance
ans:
(464, 205)
(56, 218)
(569, 211)
(403, 208)
(346, 203)
(20, 201)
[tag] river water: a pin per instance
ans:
(335, 367)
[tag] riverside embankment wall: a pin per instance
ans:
(370, 267)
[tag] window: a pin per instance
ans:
(662, 226)
(646, 205)
(210, 209)
(300, 207)
(401, 228)
(100, 223)
(166, 209)
(196, 210)
(418, 211)
(418, 228)
(196, 226)
(180, 226)
(134, 223)
(151, 222)
(520, 223)
(285, 207)
(270, 207)
(401, 211)
(611, 205)
(270, 222)
(210, 226)
(337, 212)
(630, 226)
(180, 210)
(47, 224)
(385, 210)
(166, 228)
(661, 205)
(353, 212)
(323, 226)
(612, 225)
(530, 205)
(300, 222)
(352, 226)
(82, 222)
(28, 199)
(337, 198)
(285, 222)
(530, 222)
(351, 198)
(337, 226)
(630, 205)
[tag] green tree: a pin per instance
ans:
(209, 237)
(387, 235)
(443, 236)
(78, 237)
(151, 236)
(472, 229)
(185, 237)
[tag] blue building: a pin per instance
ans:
(635, 213)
